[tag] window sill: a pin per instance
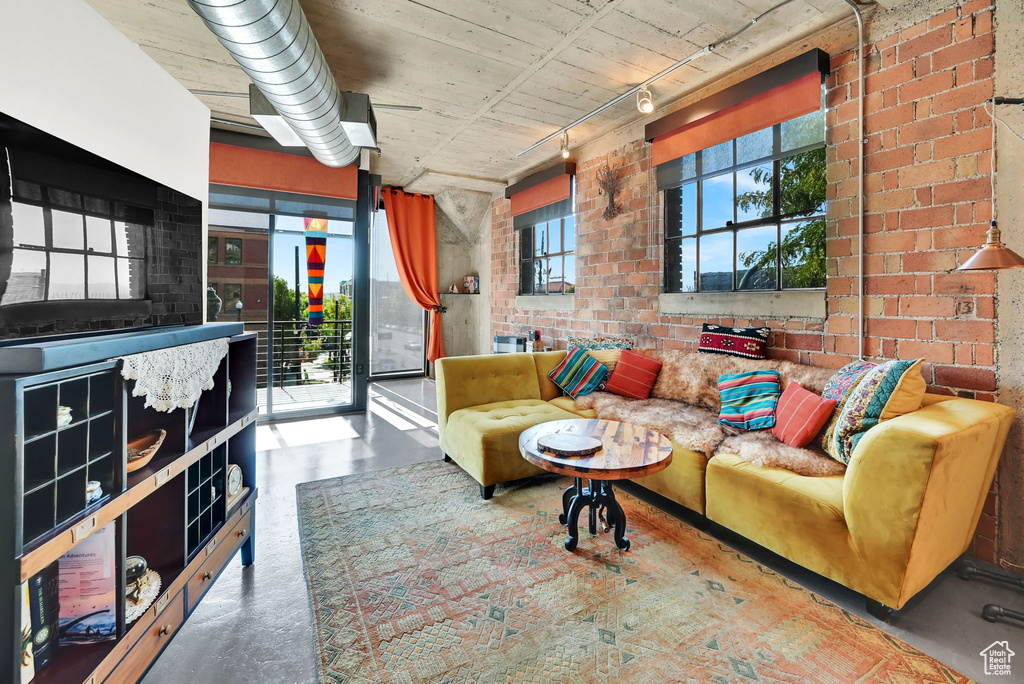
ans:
(546, 302)
(759, 305)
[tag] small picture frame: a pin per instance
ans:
(471, 284)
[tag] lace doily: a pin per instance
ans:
(174, 377)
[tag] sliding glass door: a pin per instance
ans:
(288, 267)
(313, 360)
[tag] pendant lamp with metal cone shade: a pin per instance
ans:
(994, 255)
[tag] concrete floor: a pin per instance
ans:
(254, 626)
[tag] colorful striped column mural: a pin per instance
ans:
(316, 256)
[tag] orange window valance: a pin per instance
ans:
(542, 189)
(549, 192)
(264, 170)
(785, 92)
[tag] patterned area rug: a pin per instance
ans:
(414, 578)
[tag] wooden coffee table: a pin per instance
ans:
(628, 451)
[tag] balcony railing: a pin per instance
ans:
(303, 355)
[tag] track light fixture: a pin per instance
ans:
(644, 101)
(565, 145)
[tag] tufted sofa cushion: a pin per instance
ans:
(484, 439)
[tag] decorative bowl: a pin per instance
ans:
(142, 448)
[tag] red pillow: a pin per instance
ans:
(634, 375)
(800, 415)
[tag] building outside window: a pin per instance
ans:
(547, 257)
(233, 251)
(749, 213)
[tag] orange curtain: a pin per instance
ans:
(411, 224)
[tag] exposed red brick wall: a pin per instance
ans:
(928, 203)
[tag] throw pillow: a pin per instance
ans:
(634, 376)
(800, 415)
(609, 357)
(578, 373)
(749, 343)
(840, 384)
(749, 399)
(600, 342)
(886, 391)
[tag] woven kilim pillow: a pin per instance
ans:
(578, 373)
(749, 399)
(749, 343)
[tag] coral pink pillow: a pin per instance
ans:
(800, 415)
(634, 375)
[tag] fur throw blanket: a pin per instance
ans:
(692, 377)
(600, 401)
(764, 449)
(688, 426)
(699, 430)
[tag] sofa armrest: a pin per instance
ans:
(916, 484)
(464, 381)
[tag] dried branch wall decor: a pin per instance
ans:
(609, 183)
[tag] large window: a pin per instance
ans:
(70, 247)
(547, 259)
(749, 213)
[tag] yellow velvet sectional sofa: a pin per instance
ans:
(905, 509)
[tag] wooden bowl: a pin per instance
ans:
(141, 449)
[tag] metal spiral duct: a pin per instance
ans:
(274, 44)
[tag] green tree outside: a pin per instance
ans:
(802, 254)
(335, 305)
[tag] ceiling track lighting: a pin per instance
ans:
(565, 145)
(706, 50)
(644, 101)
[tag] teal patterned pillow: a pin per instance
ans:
(885, 391)
(578, 373)
(749, 399)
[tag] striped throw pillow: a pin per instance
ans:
(749, 399)
(579, 373)
(634, 375)
(801, 415)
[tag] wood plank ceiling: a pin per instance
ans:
(492, 76)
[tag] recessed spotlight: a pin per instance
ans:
(644, 101)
